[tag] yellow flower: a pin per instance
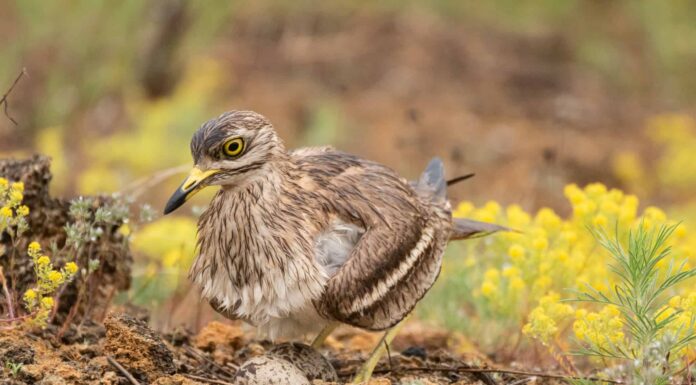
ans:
(29, 295)
(540, 243)
(569, 235)
(463, 209)
(125, 230)
(601, 329)
(55, 276)
(595, 190)
(34, 247)
(574, 194)
(680, 231)
(540, 325)
(517, 283)
(16, 196)
(516, 252)
(47, 302)
(43, 260)
(6, 212)
(609, 207)
(492, 275)
(18, 186)
(655, 214)
(548, 219)
(511, 271)
(3, 183)
(71, 267)
(599, 220)
(492, 207)
(488, 289)
(517, 218)
(23, 210)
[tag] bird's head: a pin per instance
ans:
(226, 151)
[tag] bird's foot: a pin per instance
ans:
(324, 334)
(365, 372)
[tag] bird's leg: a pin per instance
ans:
(323, 334)
(366, 370)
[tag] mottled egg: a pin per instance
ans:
(307, 359)
(269, 370)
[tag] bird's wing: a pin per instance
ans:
(396, 259)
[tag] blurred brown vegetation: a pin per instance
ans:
(527, 102)
(528, 95)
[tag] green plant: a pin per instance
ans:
(658, 330)
(89, 221)
(39, 300)
(13, 367)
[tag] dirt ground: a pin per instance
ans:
(125, 346)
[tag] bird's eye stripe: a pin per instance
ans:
(233, 147)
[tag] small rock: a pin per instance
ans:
(308, 360)
(31, 373)
(269, 370)
(218, 333)
(415, 351)
(16, 351)
(135, 346)
(110, 378)
(52, 379)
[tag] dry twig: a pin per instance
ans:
(141, 185)
(123, 370)
(208, 380)
(494, 370)
(10, 304)
(207, 360)
(3, 100)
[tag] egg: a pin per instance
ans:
(307, 359)
(269, 370)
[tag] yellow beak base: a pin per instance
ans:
(191, 185)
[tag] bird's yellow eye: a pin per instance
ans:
(234, 147)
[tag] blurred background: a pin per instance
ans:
(529, 95)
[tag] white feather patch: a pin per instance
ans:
(333, 246)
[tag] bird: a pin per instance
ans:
(297, 242)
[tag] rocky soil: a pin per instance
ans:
(125, 351)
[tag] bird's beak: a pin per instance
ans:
(191, 186)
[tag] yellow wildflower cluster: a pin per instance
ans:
(673, 169)
(12, 212)
(684, 309)
(39, 299)
(543, 320)
(677, 136)
(520, 271)
(603, 329)
(168, 247)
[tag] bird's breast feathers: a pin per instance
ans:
(267, 274)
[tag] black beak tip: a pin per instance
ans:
(175, 202)
(168, 209)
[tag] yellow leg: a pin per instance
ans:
(323, 334)
(365, 372)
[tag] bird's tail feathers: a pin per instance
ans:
(460, 178)
(432, 181)
(468, 228)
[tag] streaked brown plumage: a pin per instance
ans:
(295, 240)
